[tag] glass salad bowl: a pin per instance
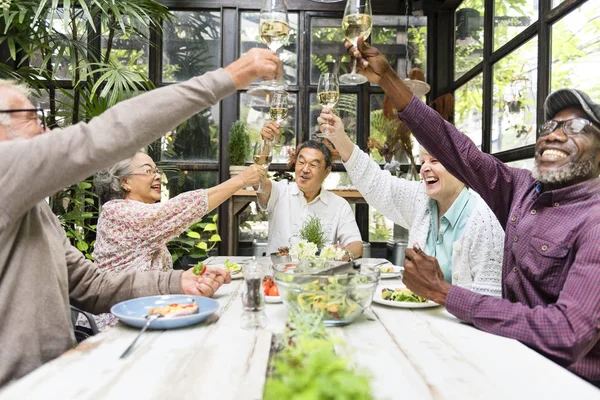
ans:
(339, 297)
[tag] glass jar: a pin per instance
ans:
(253, 297)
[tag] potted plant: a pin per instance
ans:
(239, 147)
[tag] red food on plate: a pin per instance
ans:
(270, 287)
(175, 310)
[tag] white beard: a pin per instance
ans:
(568, 173)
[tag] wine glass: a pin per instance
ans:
(279, 108)
(328, 93)
(358, 21)
(274, 31)
(262, 157)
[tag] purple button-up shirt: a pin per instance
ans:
(551, 268)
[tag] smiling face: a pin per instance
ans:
(439, 183)
(141, 186)
(562, 160)
(310, 170)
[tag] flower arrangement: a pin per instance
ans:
(305, 250)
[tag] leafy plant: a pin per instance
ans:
(312, 231)
(308, 367)
(197, 240)
(239, 144)
(77, 212)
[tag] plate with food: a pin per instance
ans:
(175, 311)
(402, 297)
(389, 271)
(271, 290)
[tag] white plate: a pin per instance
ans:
(239, 275)
(397, 271)
(272, 299)
(400, 304)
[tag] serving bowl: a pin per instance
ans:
(275, 259)
(339, 298)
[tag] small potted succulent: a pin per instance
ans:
(239, 147)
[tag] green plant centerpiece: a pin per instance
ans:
(239, 147)
(307, 365)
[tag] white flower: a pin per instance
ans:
(331, 252)
(304, 250)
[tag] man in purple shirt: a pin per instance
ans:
(551, 270)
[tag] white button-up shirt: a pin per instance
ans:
(288, 210)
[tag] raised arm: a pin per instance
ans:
(38, 167)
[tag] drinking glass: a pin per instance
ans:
(274, 30)
(263, 157)
(279, 108)
(358, 21)
(328, 93)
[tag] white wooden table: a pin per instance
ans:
(412, 354)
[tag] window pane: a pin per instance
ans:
(250, 38)
(511, 18)
(337, 180)
(63, 107)
(576, 50)
(197, 139)
(345, 108)
(525, 164)
(381, 229)
(383, 134)
(468, 36)
(327, 52)
(515, 100)
(468, 103)
(191, 45)
(179, 181)
(255, 111)
(389, 36)
(63, 67)
(254, 224)
(129, 49)
(556, 3)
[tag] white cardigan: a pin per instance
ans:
(476, 256)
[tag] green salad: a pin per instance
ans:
(232, 267)
(401, 295)
(335, 298)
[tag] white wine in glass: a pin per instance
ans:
(274, 30)
(358, 21)
(279, 108)
(328, 93)
(263, 157)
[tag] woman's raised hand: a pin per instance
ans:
(333, 128)
(252, 175)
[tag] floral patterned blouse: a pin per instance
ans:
(132, 235)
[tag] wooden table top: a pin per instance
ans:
(416, 354)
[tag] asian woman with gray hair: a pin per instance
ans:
(134, 226)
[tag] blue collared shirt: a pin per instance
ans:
(452, 225)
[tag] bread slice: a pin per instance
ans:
(175, 310)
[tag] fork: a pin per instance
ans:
(150, 318)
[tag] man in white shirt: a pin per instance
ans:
(290, 204)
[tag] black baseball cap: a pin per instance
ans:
(564, 98)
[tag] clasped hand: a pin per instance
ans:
(206, 284)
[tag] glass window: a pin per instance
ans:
(62, 66)
(576, 50)
(191, 45)
(250, 38)
(345, 108)
(381, 229)
(556, 3)
(63, 107)
(178, 181)
(254, 224)
(129, 48)
(389, 36)
(525, 164)
(468, 36)
(384, 141)
(327, 51)
(255, 111)
(515, 98)
(337, 180)
(197, 139)
(468, 103)
(511, 18)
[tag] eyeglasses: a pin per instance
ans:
(149, 171)
(41, 115)
(573, 126)
(302, 163)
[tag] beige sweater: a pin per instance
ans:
(40, 272)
